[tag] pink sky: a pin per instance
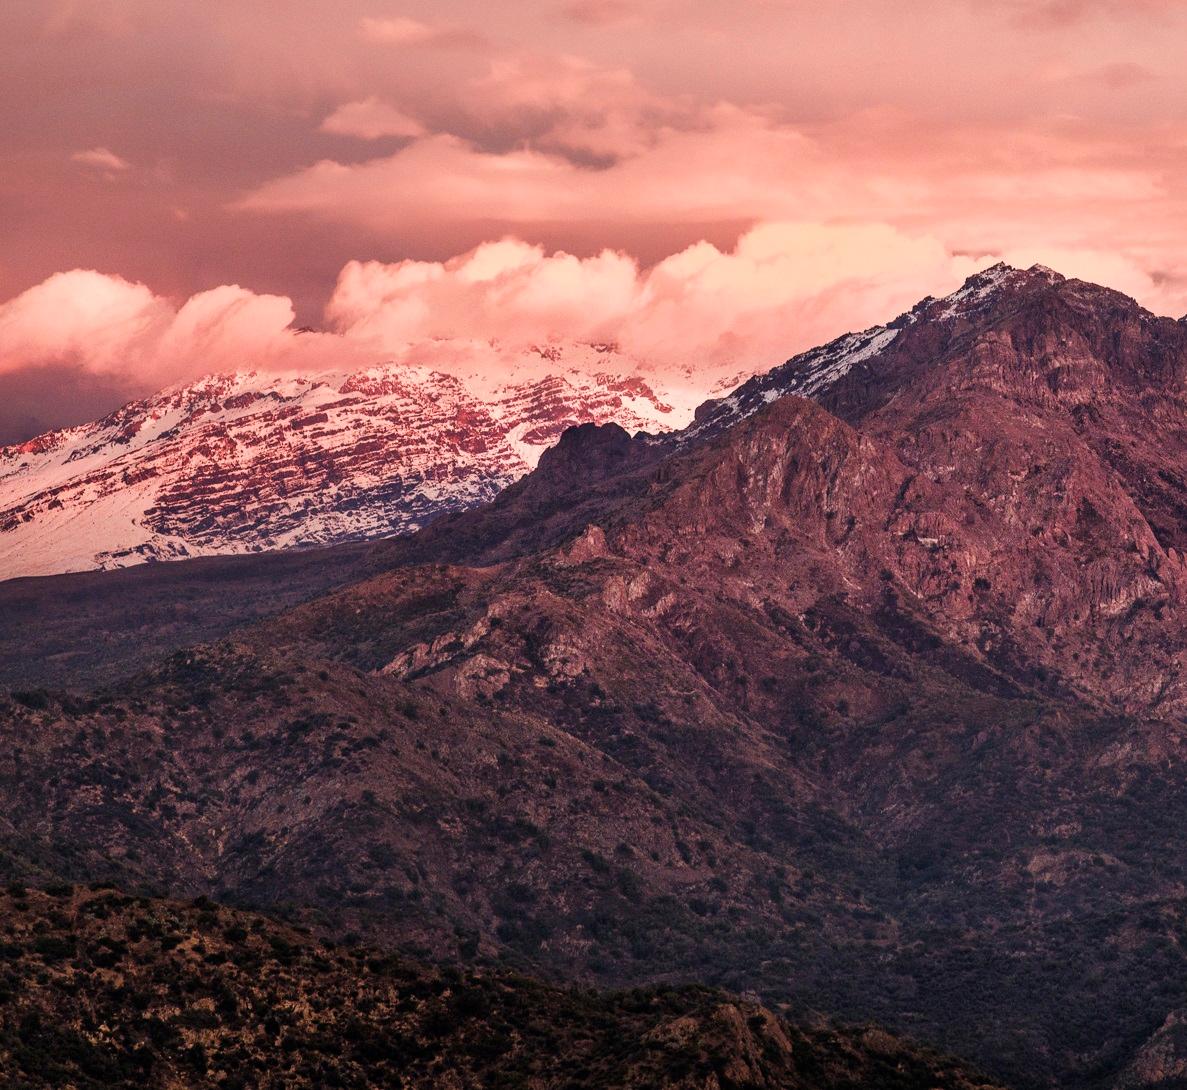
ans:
(180, 182)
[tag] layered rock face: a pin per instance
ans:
(1032, 429)
(246, 462)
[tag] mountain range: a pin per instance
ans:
(253, 461)
(861, 695)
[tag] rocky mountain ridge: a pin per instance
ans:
(869, 703)
(248, 462)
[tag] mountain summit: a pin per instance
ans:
(860, 371)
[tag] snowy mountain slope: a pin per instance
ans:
(857, 359)
(245, 462)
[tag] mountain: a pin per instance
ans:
(249, 462)
(222, 998)
(868, 703)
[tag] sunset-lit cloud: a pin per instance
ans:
(689, 321)
(782, 288)
(702, 310)
(318, 136)
(371, 119)
(102, 159)
(105, 324)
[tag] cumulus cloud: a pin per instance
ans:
(107, 325)
(784, 287)
(698, 317)
(702, 313)
(81, 315)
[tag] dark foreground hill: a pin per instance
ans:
(100, 989)
(870, 701)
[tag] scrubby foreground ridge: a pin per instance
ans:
(99, 989)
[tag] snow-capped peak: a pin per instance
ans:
(987, 284)
(246, 461)
(817, 372)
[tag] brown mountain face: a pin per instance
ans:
(870, 702)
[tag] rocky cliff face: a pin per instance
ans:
(247, 462)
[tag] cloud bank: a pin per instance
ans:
(699, 182)
(783, 287)
(698, 315)
(106, 325)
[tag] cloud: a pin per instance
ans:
(80, 315)
(589, 149)
(107, 325)
(703, 312)
(602, 13)
(736, 165)
(405, 31)
(102, 159)
(568, 105)
(702, 315)
(784, 287)
(371, 119)
(639, 124)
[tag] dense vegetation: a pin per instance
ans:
(101, 989)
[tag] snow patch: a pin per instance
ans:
(243, 462)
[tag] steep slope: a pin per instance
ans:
(101, 989)
(245, 462)
(1029, 430)
(870, 703)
